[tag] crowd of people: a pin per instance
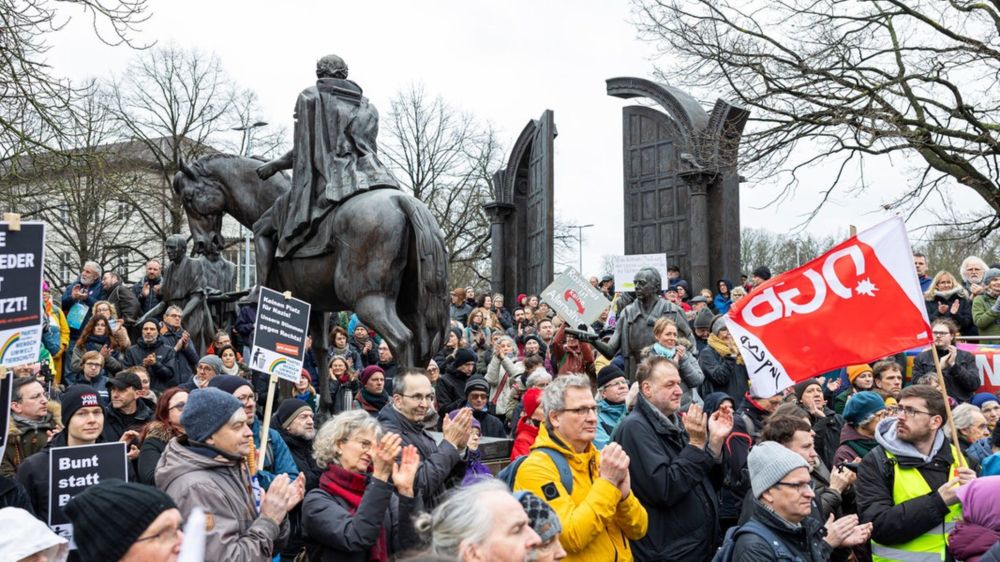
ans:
(685, 460)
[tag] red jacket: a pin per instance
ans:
(579, 359)
(526, 434)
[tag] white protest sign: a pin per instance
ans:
(574, 299)
(625, 268)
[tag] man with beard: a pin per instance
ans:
(32, 423)
(80, 297)
(155, 355)
(126, 412)
(972, 270)
(122, 299)
(294, 422)
(906, 485)
(147, 290)
(412, 397)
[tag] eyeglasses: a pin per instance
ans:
(420, 397)
(92, 364)
(940, 333)
(582, 410)
(910, 412)
(799, 487)
(178, 406)
(245, 399)
(168, 534)
(366, 445)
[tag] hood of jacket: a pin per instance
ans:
(179, 459)
(886, 436)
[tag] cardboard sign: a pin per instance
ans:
(279, 339)
(73, 470)
(6, 385)
(574, 299)
(625, 268)
(22, 256)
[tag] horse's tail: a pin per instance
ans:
(423, 302)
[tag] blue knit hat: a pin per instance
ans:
(861, 406)
(983, 397)
(206, 410)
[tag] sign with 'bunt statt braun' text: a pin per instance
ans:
(74, 469)
(279, 339)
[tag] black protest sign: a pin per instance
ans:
(74, 469)
(21, 261)
(279, 341)
(6, 384)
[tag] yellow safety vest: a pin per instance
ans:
(931, 546)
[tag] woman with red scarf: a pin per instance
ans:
(356, 514)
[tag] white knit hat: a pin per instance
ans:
(768, 463)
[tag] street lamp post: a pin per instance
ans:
(246, 143)
(579, 240)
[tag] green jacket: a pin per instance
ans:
(986, 320)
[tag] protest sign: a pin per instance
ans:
(279, 340)
(574, 299)
(6, 385)
(73, 470)
(625, 268)
(22, 256)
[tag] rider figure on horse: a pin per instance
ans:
(334, 157)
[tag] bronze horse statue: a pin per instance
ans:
(389, 263)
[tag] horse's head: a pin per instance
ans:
(204, 200)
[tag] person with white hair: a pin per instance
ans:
(481, 522)
(972, 270)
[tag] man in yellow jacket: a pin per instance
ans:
(601, 514)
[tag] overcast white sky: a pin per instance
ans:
(505, 62)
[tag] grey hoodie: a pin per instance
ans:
(885, 435)
(222, 488)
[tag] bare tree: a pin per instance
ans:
(256, 138)
(446, 159)
(34, 102)
(779, 252)
(842, 82)
(945, 249)
(80, 190)
(175, 103)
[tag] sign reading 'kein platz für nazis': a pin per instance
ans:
(279, 340)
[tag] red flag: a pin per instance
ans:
(858, 302)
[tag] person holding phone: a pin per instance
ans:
(120, 340)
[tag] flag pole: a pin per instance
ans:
(947, 405)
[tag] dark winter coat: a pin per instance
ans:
(723, 374)
(963, 318)
(152, 299)
(961, 379)
(827, 429)
(186, 359)
(13, 494)
(438, 462)
(805, 542)
(157, 437)
(674, 482)
(116, 423)
(161, 373)
(450, 391)
(125, 302)
(336, 535)
(748, 421)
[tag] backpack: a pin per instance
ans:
(725, 553)
(509, 473)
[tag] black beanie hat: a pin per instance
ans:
(464, 355)
(135, 507)
(609, 373)
(289, 408)
(228, 383)
(76, 397)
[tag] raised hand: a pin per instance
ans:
(456, 431)
(696, 425)
(614, 464)
(846, 531)
(384, 456)
(720, 425)
(405, 472)
(275, 503)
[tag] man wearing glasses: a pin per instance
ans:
(599, 514)
(783, 501)
(32, 420)
(906, 485)
(146, 528)
(412, 398)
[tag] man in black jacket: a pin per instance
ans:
(122, 298)
(783, 501)
(147, 290)
(156, 355)
(450, 389)
(412, 397)
(127, 412)
(961, 375)
(913, 448)
(673, 466)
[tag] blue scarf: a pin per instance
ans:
(664, 351)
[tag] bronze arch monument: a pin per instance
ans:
(680, 180)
